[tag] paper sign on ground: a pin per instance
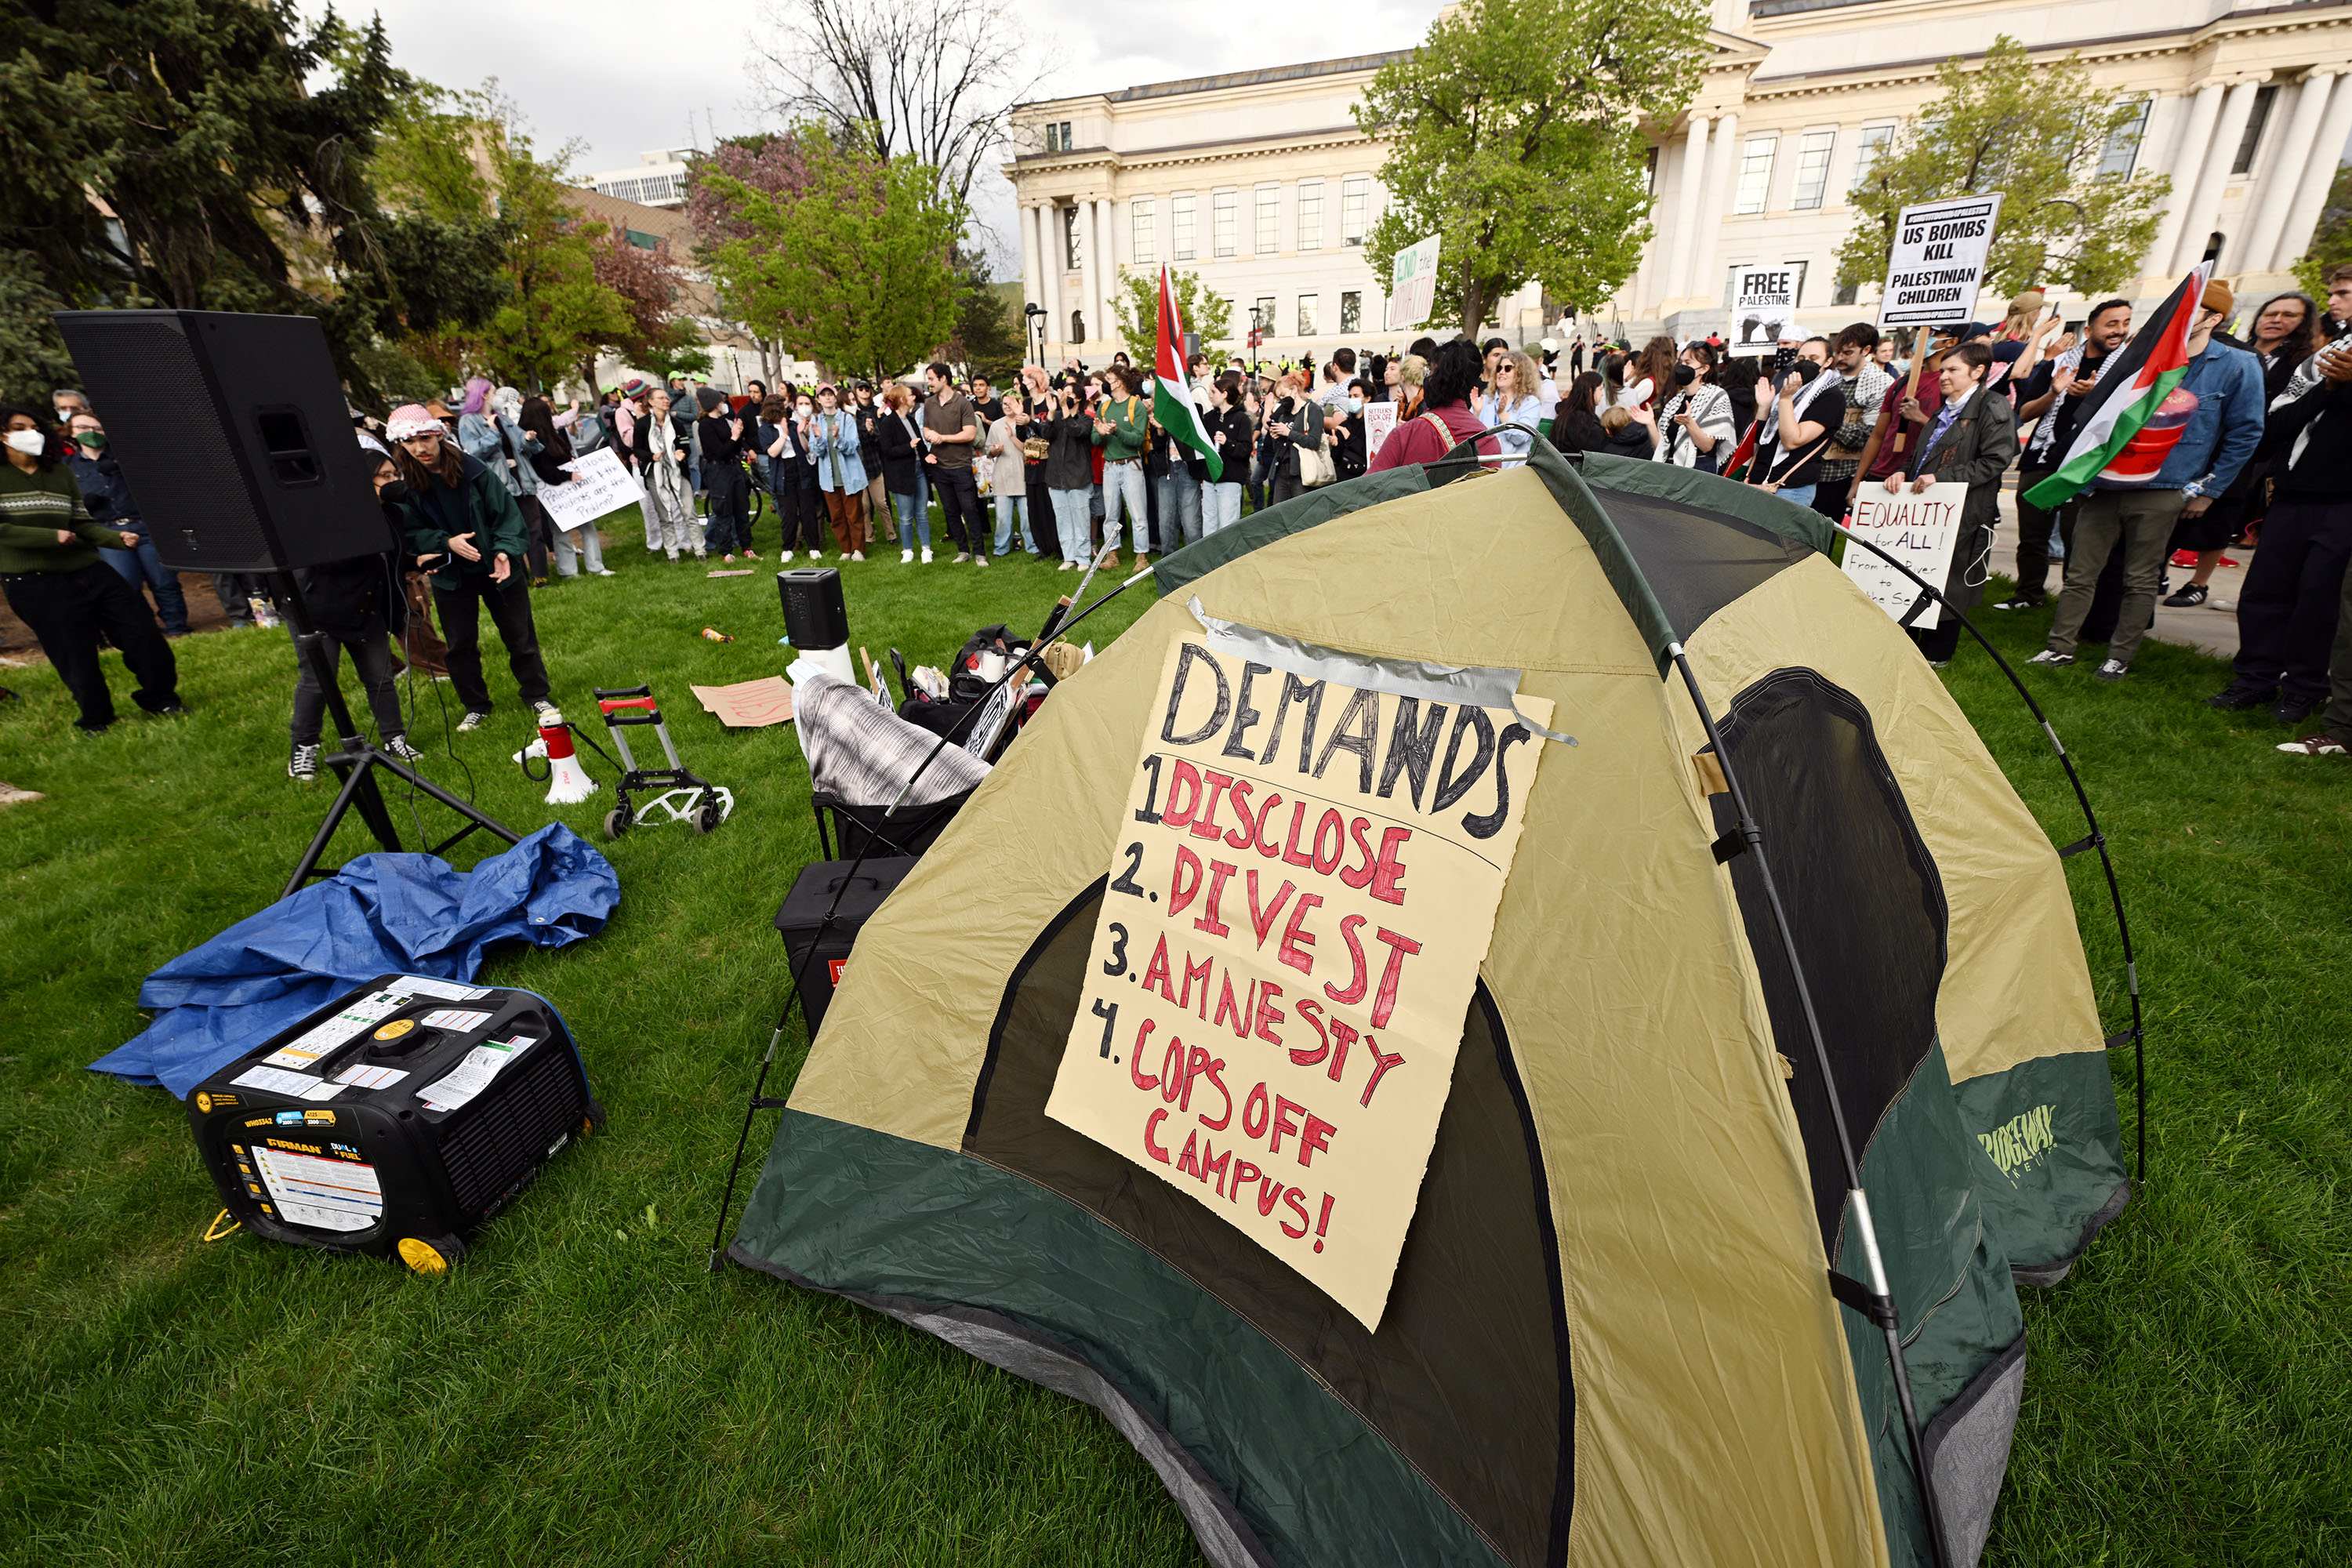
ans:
(599, 484)
(748, 704)
(1413, 284)
(1763, 305)
(1917, 529)
(1938, 261)
(1303, 885)
(1380, 423)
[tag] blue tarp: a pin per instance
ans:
(382, 913)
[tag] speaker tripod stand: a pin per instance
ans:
(358, 759)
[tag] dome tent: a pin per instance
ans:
(1610, 1335)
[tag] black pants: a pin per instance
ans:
(960, 506)
(728, 527)
(2287, 612)
(800, 508)
(370, 644)
(1041, 513)
(534, 524)
(461, 623)
(2034, 537)
(1832, 497)
(67, 610)
(237, 591)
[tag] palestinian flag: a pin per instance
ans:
(1171, 393)
(2126, 431)
(1744, 454)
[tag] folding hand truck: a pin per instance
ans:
(684, 796)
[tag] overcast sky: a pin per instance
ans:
(622, 77)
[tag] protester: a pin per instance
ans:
(107, 495)
(1121, 430)
(1446, 420)
(67, 402)
(1696, 421)
(1176, 474)
(2286, 335)
(53, 579)
(2213, 421)
(833, 446)
(1069, 473)
(2338, 322)
(2050, 404)
(950, 430)
(719, 433)
(1649, 375)
(1575, 423)
(1008, 477)
(575, 548)
(463, 521)
(355, 609)
(1861, 387)
(1972, 442)
(1511, 399)
(1294, 421)
(660, 459)
(1228, 427)
(1806, 409)
(869, 415)
(490, 437)
(900, 441)
(1349, 458)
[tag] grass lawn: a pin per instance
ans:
(581, 1391)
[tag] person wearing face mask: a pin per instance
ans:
(1231, 428)
(108, 496)
(1348, 459)
(356, 607)
(54, 581)
(1796, 431)
(1696, 421)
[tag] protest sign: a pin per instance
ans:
(1938, 261)
(599, 484)
(1917, 529)
(1413, 284)
(1763, 304)
(1303, 887)
(1379, 419)
(748, 704)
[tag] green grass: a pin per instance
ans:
(581, 1390)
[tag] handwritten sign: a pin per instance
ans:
(599, 485)
(1380, 420)
(1917, 529)
(1413, 284)
(1763, 304)
(1303, 889)
(1938, 261)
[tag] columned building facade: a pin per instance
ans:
(1262, 184)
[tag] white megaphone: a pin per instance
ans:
(567, 783)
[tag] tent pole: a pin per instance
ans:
(1882, 1311)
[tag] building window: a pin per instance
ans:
(2122, 154)
(1755, 174)
(1221, 221)
(1814, 168)
(1262, 314)
(1797, 287)
(1180, 217)
(1352, 312)
(1355, 200)
(2252, 141)
(1310, 217)
(1268, 238)
(1146, 245)
(1876, 140)
(1077, 327)
(1650, 173)
(1074, 255)
(1846, 294)
(1057, 136)
(1308, 308)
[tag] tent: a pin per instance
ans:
(1624, 1314)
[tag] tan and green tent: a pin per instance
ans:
(1611, 1335)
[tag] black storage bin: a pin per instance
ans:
(803, 912)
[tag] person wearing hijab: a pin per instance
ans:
(719, 433)
(553, 450)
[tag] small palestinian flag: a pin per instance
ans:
(2127, 429)
(1744, 454)
(1171, 393)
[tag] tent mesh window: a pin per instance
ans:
(1864, 904)
(1696, 561)
(1481, 1249)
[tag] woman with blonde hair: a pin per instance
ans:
(1514, 399)
(1413, 374)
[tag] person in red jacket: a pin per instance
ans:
(1446, 396)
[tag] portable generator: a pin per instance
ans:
(395, 1119)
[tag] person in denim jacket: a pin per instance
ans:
(837, 447)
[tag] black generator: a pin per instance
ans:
(395, 1119)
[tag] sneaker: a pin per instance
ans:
(1068, 566)
(2023, 601)
(813, 554)
(399, 747)
(2050, 659)
(1110, 558)
(979, 560)
(754, 555)
(473, 722)
(2113, 669)
(927, 555)
(303, 766)
(961, 556)
(673, 554)
(2290, 709)
(607, 572)
(727, 559)
(857, 555)
(2195, 594)
(542, 706)
(2237, 699)
(905, 556)
(2322, 744)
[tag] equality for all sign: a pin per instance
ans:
(1937, 263)
(599, 484)
(1918, 529)
(1291, 932)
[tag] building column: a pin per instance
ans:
(1049, 249)
(1713, 204)
(1107, 228)
(2203, 208)
(1089, 270)
(2318, 174)
(1032, 276)
(1682, 241)
(2188, 151)
(2283, 180)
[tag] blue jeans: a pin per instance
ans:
(1801, 494)
(1221, 505)
(1179, 510)
(142, 564)
(1009, 508)
(914, 518)
(1074, 520)
(1123, 483)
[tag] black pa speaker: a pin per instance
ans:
(235, 435)
(815, 614)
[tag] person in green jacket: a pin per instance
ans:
(54, 580)
(1123, 430)
(462, 524)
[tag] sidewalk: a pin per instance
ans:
(2204, 629)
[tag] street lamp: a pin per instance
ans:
(1036, 318)
(1257, 336)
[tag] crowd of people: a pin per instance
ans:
(1075, 465)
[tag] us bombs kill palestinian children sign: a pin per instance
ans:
(1303, 889)
(1938, 264)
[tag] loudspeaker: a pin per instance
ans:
(234, 434)
(815, 614)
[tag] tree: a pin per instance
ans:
(2035, 133)
(991, 334)
(33, 358)
(651, 284)
(854, 269)
(1135, 310)
(1512, 136)
(768, 163)
(2331, 242)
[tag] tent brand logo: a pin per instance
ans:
(2020, 1141)
(1298, 901)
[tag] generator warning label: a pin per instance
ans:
(332, 1194)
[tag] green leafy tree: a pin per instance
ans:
(1513, 137)
(2035, 133)
(854, 267)
(33, 358)
(2331, 242)
(990, 333)
(1135, 310)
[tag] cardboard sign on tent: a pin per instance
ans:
(1610, 1335)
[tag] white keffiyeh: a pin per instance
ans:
(2037, 449)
